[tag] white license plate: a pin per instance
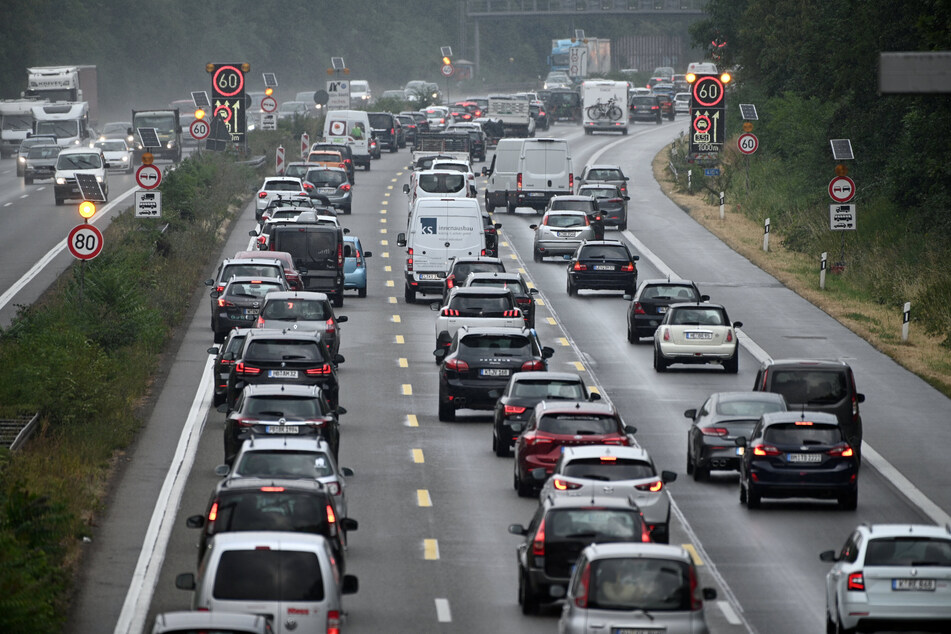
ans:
(803, 457)
(603, 267)
(698, 335)
(281, 429)
(637, 630)
(662, 309)
(325, 190)
(282, 374)
(535, 194)
(494, 372)
(251, 311)
(914, 585)
(566, 234)
(429, 276)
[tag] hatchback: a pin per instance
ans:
(560, 233)
(696, 333)
(302, 310)
(355, 265)
(602, 265)
(239, 304)
(224, 357)
(611, 203)
(461, 268)
(275, 186)
(645, 108)
(332, 183)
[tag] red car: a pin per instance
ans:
(556, 424)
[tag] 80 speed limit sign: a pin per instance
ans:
(84, 242)
(747, 143)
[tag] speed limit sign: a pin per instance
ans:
(199, 129)
(84, 242)
(747, 143)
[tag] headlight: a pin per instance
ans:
(170, 145)
(99, 178)
(60, 180)
(21, 159)
(125, 159)
(130, 139)
(76, 142)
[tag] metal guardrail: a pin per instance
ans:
(254, 161)
(23, 426)
(497, 8)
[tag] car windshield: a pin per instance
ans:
(609, 468)
(17, 121)
(574, 205)
(78, 161)
(751, 409)
(565, 220)
(282, 406)
(284, 350)
(442, 183)
(604, 252)
(297, 310)
(578, 424)
(639, 584)
(676, 292)
(545, 389)
(284, 463)
(163, 122)
(909, 551)
(589, 523)
(326, 178)
(643, 101)
(811, 387)
(802, 434)
(698, 316)
(43, 151)
(268, 575)
(480, 306)
(251, 289)
(59, 129)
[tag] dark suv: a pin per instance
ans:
(318, 254)
(645, 108)
(460, 268)
(383, 127)
(818, 386)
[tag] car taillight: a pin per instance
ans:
(628, 267)
(333, 621)
(223, 303)
(533, 366)
(696, 598)
(856, 582)
(571, 181)
(512, 313)
(213, 513)
(729, 336)
(342, 165)
(653, 107)
(262, 194)
(340, 255)
(331, 516)
(623, 191)
(244, 368)
(666, 334)
(524, 301)
(334, 488)
(514, 409)
(842, 451)
(451, 281)
(331, 326)
(308, 186)
(219, 288)
(653, 487)
(638, 309)
(714, 431)
(450, 312)
(260, 322)
(615, 200)
(583, 587)
(345, 187)
(347, 161)
(580, 267)
(564, 485)
(538, 544)
(457, 365)
(324, 369)
(392, 130)
(518, 181)
(765, 450)
(587, 221)
(533, 438)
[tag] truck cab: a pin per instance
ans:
(68, 122)
(167, 124)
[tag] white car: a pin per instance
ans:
(278, 187)
(118, 154)
(696, 333)
(614, 471)
(888, 577)
(682, 103)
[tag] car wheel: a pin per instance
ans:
(526, 598)
(536, 255)
(500, 448)
(366, 167)
(660, 363)
(571, 287)
(689, 462)
(217, 399)
(700, 473)
(732, 365)
(409, 294)
(489, 205)
(831, 626)
(622, 226)
(348, 210)
(338, 298)
(631, 337)
(523, 488)
(362, 292)
(447, 413)
(849, 501)
(753, 497)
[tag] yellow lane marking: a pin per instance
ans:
(384, 202)
(693, 554)
(392, 300)
(383, 230)
(398, 174)
(593, 389)
(385, 254)
(418, 456)
(430, 549)
(422, 498)
(383, 211)
(385, 243)
(563, 341)
(388, 268)
(578, 366)
(407, 389)
(521, 270)
(400, 340)
(513, 256)
(390, 283)
(382, 221)
(390, 186)
(551, 321)
(503, 243)
(412, 421)
(539, 301)
(403, 362)
(393, 180)
(385, 194)
(530, 284)
(396, 319)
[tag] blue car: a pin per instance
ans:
(355, 265)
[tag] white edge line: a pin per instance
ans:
(42, 263)
(443, 613)
(728, 613)
(152, 556)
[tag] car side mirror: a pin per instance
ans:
(439, 353)
(635, 257)
(405, 188)
(709, 594)
(253, 233)
(222, 470)
(497, 225)
(485, 171)
(539, 474)
(195, 521)
(341, 411)
(209, 282)
(690, 413)
(367, 254)
(533, 226)
(740, 441)
(627, 178)
(346, 471)
(547, 352)
(350, 585)
(860, 398)
(630, 429)
(349, 524)
(667, 476)
(533, 291)
(704, 298)
(401, 239)
(338, 359)
(829, 555)
(517, 529)
(185, 581)
(213, 350)
(628, 297)
(594, 396)
(128, 131)
(342, 318)
(346, 231)
(627, 197)
(737, 324)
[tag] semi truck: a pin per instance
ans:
(67, 121)
(16, 121)
(167, 124)
(581, 58)
(65, 83)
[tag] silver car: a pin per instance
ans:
(635, 587)
(560, 233)
(302, 310)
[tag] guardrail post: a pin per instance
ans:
(905, 318)
(822, 270)
(766, 235)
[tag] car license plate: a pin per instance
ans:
(566, 234)
(661, 309)
(494, 372)
(698, 335)
(638, 630)
(251, 311)
(603, 267)
(282, 374)
(325, 190)
(914, 585)
(282, 429)
(536, 194)
(429, 276)
(803, 457)
(740, 451)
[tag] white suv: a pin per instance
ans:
(890, 576)
(78, 160)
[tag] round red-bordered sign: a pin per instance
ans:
(703, 128)
(447, 70)
(747, 143)
(227, 110)
(84, 242)
(269, 104)
(702, 81)
(148, 176)
(199, 129)
(841, 189)
(217, 78)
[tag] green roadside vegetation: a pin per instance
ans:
(85, 356)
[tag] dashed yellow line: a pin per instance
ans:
(693, 554)
(384, 202)
(551, 321)
(593, 389)
(390, 283)
(430, 549)
(513, 256)
(393, 180)
(563, 341)
(383, 212)
(392, 300)
(382, 221)
(385, 194)
(412, 421)
(503, 243)
(404, 363)
(539, 301)
(422, 498)
(385, 243)
(390, 186)
(578, 366)
(383, 230)
(407, 389)
(396, 319)
(388, 268)
(400, 340)
(385, 254)
(418, 456)
(521, 270)
(530, 284)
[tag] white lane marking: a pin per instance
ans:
(597, 155)
(24, 196)
(42, 263)
(7, 204)
(443, 615)
(135, 609)
(728, 613)
(915, 495)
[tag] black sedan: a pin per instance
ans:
(602, 265)
(239, 304)
(649, 304)
(724, 417)
(224, 356)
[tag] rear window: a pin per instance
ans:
(578, 424)
(251, 270)
(605, 252)
(605, 175)
(284, 350)
(295, 511)
(326, 178)
(643, 101)
(573, 205)
(464, 269)
(42, 152)
(251, 289)
(549, 389)
(908, 551)
(324, 157)
(609, 469)
(592, 523)
(812, 387)
(516, 287)
(297, 310)
(282, 186)
(803, 435)
(565, 220)
(698, 316)
(278, 406)
(748, 409)
(639, 584)
(269, 575)
(284, 464)
(601, 192)
(442, 183)
(475, 306)
(307, 245)
(671, 292)
(495, 342)
(380, 120)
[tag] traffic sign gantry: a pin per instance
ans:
(841, 189)
(747, 143)
(148, 176)
(199, 129)
(84, 242)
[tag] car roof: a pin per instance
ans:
(290, 389)
(614, 550)
(596, 451)
(662, 280)
(260, 259)
(305, 485)
(796, 415)
(603, 243)
(80, 150)
(571, 198)
(494, 275)
(277, 179)
(275, 540)
(724, 397)
(480, 291)
(302, 443)
(905, 530)
(604, 166)
(694, 305)
(474, 258)
(288, 333)
(575, 407)
(829, 364)
(554, 376)
(244, 279)
(565, 212)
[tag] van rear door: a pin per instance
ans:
(318, 249)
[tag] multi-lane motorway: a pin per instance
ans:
(433, 501)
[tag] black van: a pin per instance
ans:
(318, 253)
(383, 126)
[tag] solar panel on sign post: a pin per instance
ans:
(337, 63)
(149, 137)
(841, 149)
(748, 112)
(270, 80)
(90, 188)
(200, 97)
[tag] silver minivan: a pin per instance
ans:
(290, 578)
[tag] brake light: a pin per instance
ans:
(666, 334)
(223, 303)
(392, 130)
(512, 313)
(842, 451)
(765, 450)
(514, 409)
(331, 326)
(345, 187)
(331, 516)
(696, 599)
(532, 439)
(272, 489)
(653, 107)
(582, 599)
(653, 487)
(409, 260)
(615, 200)
(587, 221)
(714, 431)
(538, 544)
(308, 186)
(729, 336)
(324, 369)
(571, 181)
(213, 513)
(450, 312)
(856, 582)
(616, 441)
(334, 488)
(580, 267)
(243, 368)
(564, 485)
(638, 309)
(339, 254)
(533, 366)
(347, 161)
(457, 365)
(451, 281)
(262, 194)
(333, 621)
(220, 288)
(518, 182)
(628, 267)
(342, 165)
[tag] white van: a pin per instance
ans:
(544, 171)
(439, 229)
(604, 106)
(360, 92)
(290, 578)
(501, 175)
(702, 68)
(338, 128)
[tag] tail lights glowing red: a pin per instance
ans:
(272, 489)
(331, 326)
(666, 334)
(345, 187)
(842, 451)
(262, 194)
(511, 410)
(653, 487)
(333, 621)
(571, 181)
(729, 336)
(213, 512)
(579, 267)
(243, 368)
(457, 365)
(628, 267)
(518, 181)
(696, 598)
(638, 309)
(331, 516)
(450, 312)
(340, 255)
(565, 485)
(765, 450)
(538, 544)
(856, 582)
(409, 260)
(714, 431)
(324, 369)
(533, 366)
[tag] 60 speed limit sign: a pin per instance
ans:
(199, 129)
(84, 242)
(747, 143)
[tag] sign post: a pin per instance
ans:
(905, 318)
(766, 235)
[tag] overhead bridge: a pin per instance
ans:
(502, 8)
